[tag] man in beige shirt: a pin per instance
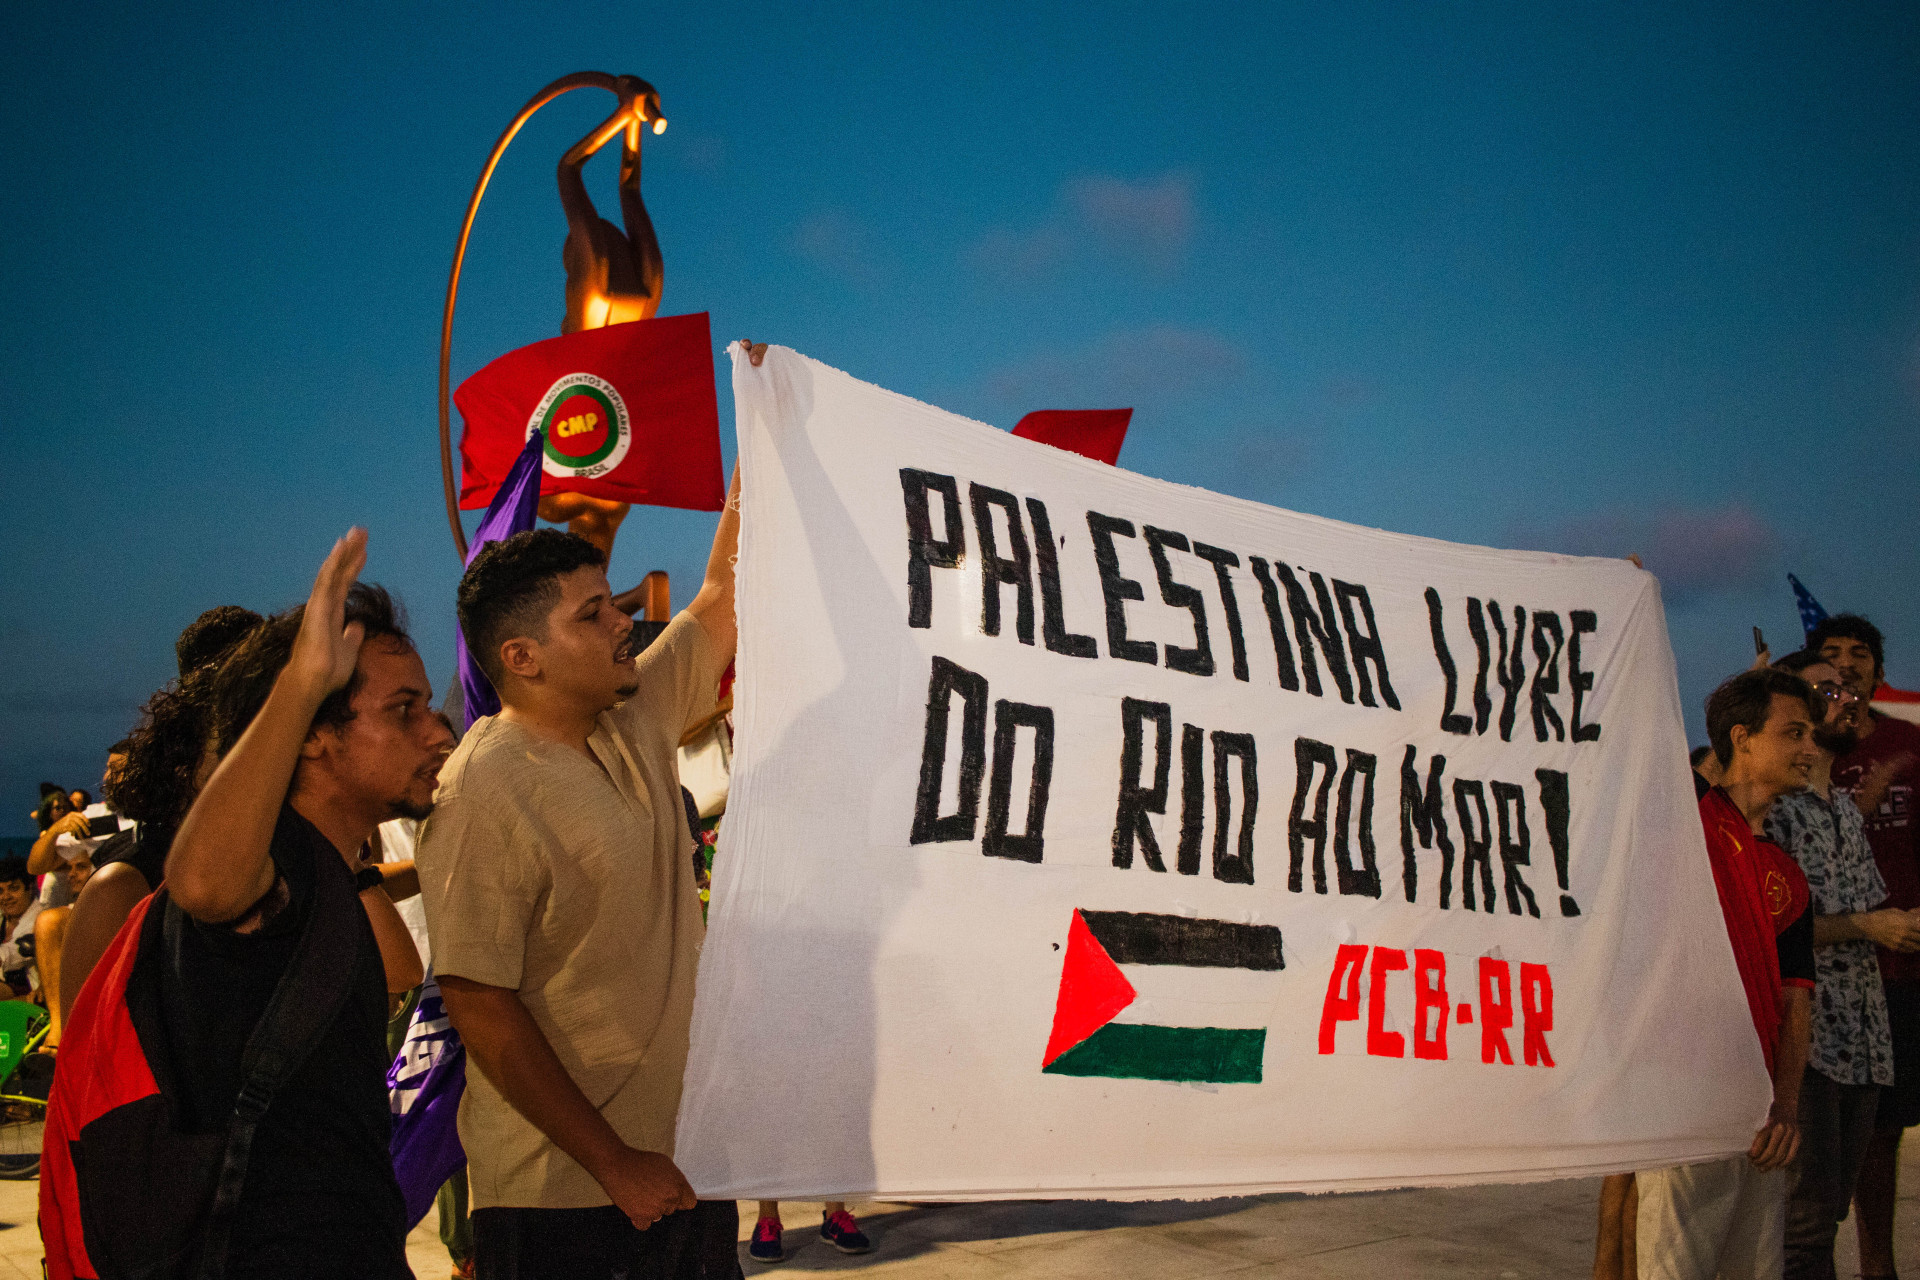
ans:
(557, 875)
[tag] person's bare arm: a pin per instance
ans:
(1889, 927)
(713, 607)
(44, 857)
(401, 880)
(398, 956)
(1776, 1144)
(219, 864)
(1873, 787)
(105, 901)
(506, 1044)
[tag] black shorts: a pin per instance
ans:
(1900, 1104)
(701, 1243)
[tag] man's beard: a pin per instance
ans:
(1836, 741)
(405, 808)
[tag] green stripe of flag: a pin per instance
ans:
(1133, 1051)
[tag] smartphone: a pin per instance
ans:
(1759, 644)
(104, 824)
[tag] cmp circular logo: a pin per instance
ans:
(586, 424)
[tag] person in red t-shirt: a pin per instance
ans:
(1728, 1217)
(1881, 773)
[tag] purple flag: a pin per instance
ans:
(424, 1085)
(510, 512)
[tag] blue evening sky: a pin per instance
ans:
(1588, 278)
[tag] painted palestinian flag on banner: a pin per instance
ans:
(1162, 955)
(628, 410)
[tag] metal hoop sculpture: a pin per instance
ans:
(631, 115)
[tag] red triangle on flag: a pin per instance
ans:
(628, 410)
(1091, 433)
(1092, 991)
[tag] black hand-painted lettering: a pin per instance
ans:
(1364, 645)
(1008, 719)
(1235, 867)
(1364, 879)
(1276, 623)
(1222, 561)
(1197, 660)
(1585, 622)
(1117, 588)
(1307, 755)
(1510, 803)
(1476, 840)
(1322, 628)
(1556, 804)
(1193, 800)
(1425, 814)
(928, 825)
(1053, 614)
(1130, 824)
(1014, 569)
(1511, 671)
(1477, 628)
(1449, 722)
(1547, 642)
(924, 551)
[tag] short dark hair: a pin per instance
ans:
(1698, 756)
(209, 637)
(1850, 626)
(511, 587)
(246, 677)
(1747, 700)
(43, 812)
(15, 869)
(1799, 660)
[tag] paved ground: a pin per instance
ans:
(1506, 1233)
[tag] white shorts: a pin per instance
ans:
(1723, 1218)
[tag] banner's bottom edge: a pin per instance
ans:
(1234, 1191)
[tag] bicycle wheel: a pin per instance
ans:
(22, 1121)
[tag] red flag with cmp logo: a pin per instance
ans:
(628, 411)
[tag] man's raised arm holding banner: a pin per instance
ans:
(562, 904)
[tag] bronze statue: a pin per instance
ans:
(612, 277)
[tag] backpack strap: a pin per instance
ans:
(302, 1007)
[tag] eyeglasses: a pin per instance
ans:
(1835, 693)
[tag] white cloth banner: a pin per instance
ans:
(1092, 835)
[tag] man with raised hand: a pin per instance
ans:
(557, 872)
(1880, 773)
(324, 720)
(1727, 1217)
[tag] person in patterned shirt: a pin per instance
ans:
(1881, 773)
(1851, 1054)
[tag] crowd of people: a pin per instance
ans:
(317, 824)
(1806, 802)
(270, 786)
